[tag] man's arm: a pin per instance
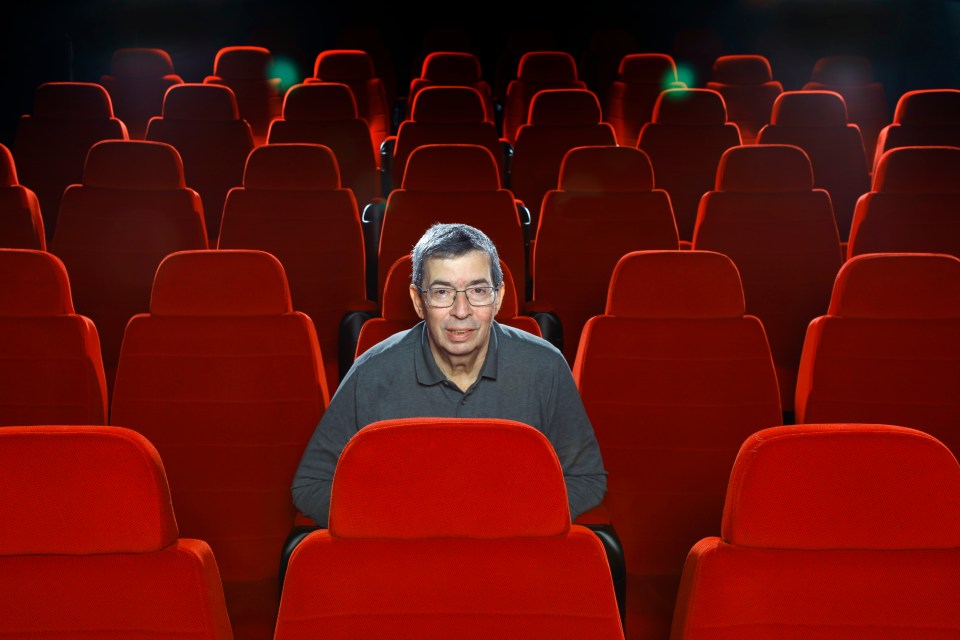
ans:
(571, 433)
(314, 476)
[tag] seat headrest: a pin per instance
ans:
(242, 63)
(606, 169)
(319, 102)
(451, 167)
(8, 169)
(141, 63)
(809, 109)
(918, 170)
(690, 107)
(340, 65)
(742, 70)
(33, 283)
(843, 486)
(448, 104)
(72, 101)
(675, 284)
(396, 299)
(846, 71)
(928, 107)
(648, 68)
(564, 107)
(765, 168)
(451, 67)
(219, 282)
(292, 166)
(133, 164)
(547, 67)
(200, 103)
(82, 490)
(897, 285)
(448, 477)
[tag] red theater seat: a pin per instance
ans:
(452, 68)
(326, 113)
(21, 223)
(227, 381)
(633, 95)
(830, 531)
(748, 89)
(925, 117)
(914, 205)
(674, 377)
(888, 348)
(202, 122)
(606, 207)
(780, 232)
(246, 71)
(293, 206)
(131, 210)
(89, 545)
(51, 371)
(137, 82)
(537, 70)
(688, 134)
(51, 144)
(476, 544)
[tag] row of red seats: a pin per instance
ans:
(228, 383)
(811, 514)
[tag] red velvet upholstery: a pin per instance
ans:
(748, 89)
(51, 144)
(137, 82)
(559, 120)
(537, 70)
(106, 560)
(203, 123)
(21, 223)
(292, 206)
(816, 122)
(865, 98)
(246, 72)
(228, 383)
(780, 231)
(606, 207)
(685, 140)
(445, 115)
(452, 68)
(51, 371)
(476, 544)
(397, 312)
(452, 183)
(913, 206)
(831, 530)
(632, 96)
(114, 231)
(674, 377)
(888, 349)
(923, 117)
(355, 69)
(326, 113)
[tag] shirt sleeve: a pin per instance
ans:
(314, 477)
(571, 433)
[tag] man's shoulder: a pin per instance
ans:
(524, 344)
(399, 344)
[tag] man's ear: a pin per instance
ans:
(417, 300)
(500, 292)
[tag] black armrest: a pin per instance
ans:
(550, 327)
(350, 325)
(386, 165)
(296, 536)
(618, 567)
(372, 222)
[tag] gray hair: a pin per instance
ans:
(452, 241)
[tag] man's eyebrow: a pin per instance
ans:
(444, 283)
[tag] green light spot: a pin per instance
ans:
(286, 70)
(686, 75)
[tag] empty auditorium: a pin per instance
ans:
(607, 320)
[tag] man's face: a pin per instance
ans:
(461, 331)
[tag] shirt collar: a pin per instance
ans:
(427, 370)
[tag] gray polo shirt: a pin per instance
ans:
(524, 378)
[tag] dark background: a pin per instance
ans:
(912, 43)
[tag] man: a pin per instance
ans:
(458, 362)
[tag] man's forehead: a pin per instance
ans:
(472, 266)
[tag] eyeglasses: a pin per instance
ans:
(443, 297)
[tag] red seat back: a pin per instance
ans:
(21, 223)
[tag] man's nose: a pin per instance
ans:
(461, 306)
